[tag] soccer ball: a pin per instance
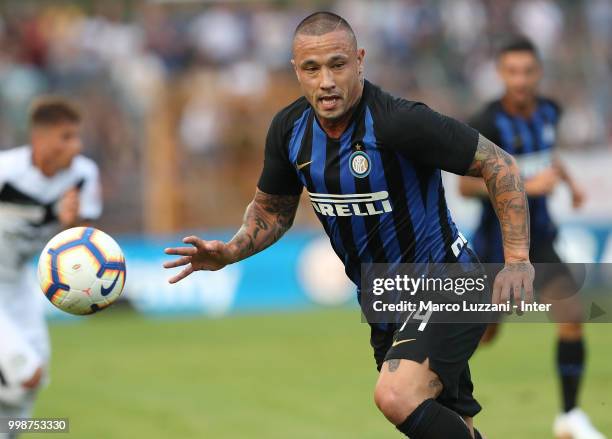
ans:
(82, 270)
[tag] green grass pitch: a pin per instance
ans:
(300, 375)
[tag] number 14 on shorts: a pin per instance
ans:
(422, 315)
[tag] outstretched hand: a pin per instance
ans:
(201, 255)
(510, 282)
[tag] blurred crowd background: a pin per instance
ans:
(178, 94)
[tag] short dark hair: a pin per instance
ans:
(52, 110)
(323, 22)
(518, 44)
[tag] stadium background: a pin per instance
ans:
(177, 97)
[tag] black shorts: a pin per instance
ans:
(448, 346)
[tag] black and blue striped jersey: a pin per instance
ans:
(377, 190)
(531, 141)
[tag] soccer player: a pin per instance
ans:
(45, 187)
(371, 164)
(524, 123)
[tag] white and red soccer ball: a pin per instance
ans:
(82, 270)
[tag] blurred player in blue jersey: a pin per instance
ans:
(371, 164)
(524, 124)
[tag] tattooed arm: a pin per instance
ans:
(266, 219)
(507, 193)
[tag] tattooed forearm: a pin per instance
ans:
(266, 219)
(507, 193)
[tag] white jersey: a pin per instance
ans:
(29, 203)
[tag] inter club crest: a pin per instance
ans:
(360, 163)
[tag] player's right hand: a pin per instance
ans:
(514, 279)
(201, 255)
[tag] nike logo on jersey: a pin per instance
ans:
(351, 204)
(399, 342)
(303, 165)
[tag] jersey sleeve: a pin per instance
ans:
(432, 139)
(555, 109)
(278, 177)
(90, 196)
(483, 123)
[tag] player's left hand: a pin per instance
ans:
(200, 255)
(69, 205)
(512, 280)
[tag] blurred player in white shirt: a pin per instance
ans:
(45, 187)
